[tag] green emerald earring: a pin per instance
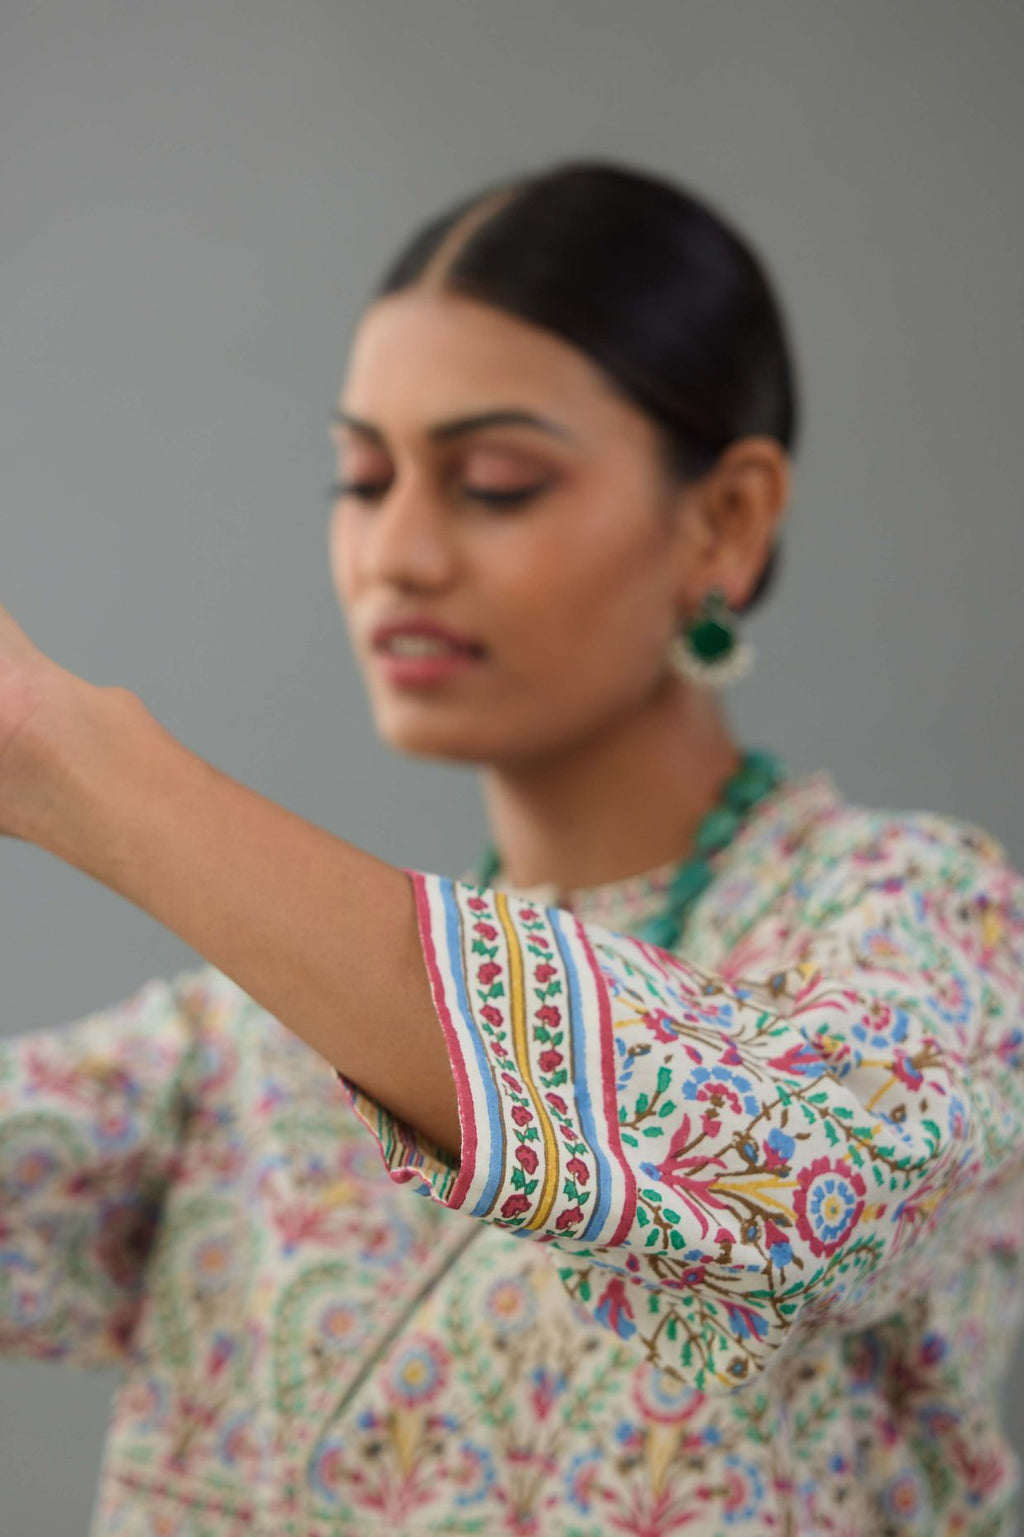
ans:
(709, 650)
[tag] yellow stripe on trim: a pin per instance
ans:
(517, 1000)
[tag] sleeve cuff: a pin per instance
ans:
(517, 990)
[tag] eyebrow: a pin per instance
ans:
(441, 432)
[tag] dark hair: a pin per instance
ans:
(646, 279)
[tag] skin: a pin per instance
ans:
(597, 759)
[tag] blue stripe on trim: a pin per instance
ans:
(453, 959)
(588, 1124)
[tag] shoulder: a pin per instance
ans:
(922, 873)
(857, 841)
(817, 860)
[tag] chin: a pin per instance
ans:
(452, 732)
(429, 739)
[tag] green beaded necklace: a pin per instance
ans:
(758, 775)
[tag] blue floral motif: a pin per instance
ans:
(745, 1489)
(214, 1263)
(475, 1473)
(957, 1117)
(895, 1030)
(577, 1483)
(745, 1323)
(731, 1081)
(626, 1062)
(952, 999)
(781, 1142)
(904, 1498)
(831, 1203)
(509, 1305)
(326, 1469)
(737, 1160)
(387, 1243)
(117, 1130)
(417, 1371)
(663, 1397)
(31, 1169)
(153, 1400)
(235, 1437)
(341, 1327)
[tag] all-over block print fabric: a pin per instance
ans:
(733, 1245)
(714, 1160)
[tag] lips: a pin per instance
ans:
(429, 629)
(426, 671)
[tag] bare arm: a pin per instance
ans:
(713, 1159)
(319, 932)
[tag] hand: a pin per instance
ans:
(50, 728)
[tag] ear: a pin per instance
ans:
(736, 509)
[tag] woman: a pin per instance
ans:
(739, 1060)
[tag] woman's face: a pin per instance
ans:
(571, 592)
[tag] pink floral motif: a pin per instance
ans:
(906, 1069)
(739, 1160)
(827, 1202)
(679, 1172)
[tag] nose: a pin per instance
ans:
(408, 540)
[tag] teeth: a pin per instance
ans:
(419, 645)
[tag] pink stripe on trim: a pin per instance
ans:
(608, 1094)
(467, 1117)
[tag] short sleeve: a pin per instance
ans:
(718, 1159)
(91, 1117)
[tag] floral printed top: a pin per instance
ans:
(732, 1247)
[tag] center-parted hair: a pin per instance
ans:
(646, 279)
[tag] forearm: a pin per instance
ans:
(319, 932)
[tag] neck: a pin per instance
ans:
(618, 802)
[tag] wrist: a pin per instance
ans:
(70, 769)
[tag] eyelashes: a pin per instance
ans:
(367, 491)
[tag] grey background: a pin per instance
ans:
(195, 201)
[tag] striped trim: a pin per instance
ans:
(521, 1049)
(482, 1181)
(593, 1040)
(405, 1157)
(444, 976)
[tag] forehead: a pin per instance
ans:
(417, 357)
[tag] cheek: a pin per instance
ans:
(596, 601)
(602, 578)
(342, 558)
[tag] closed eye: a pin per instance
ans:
(367, 491)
